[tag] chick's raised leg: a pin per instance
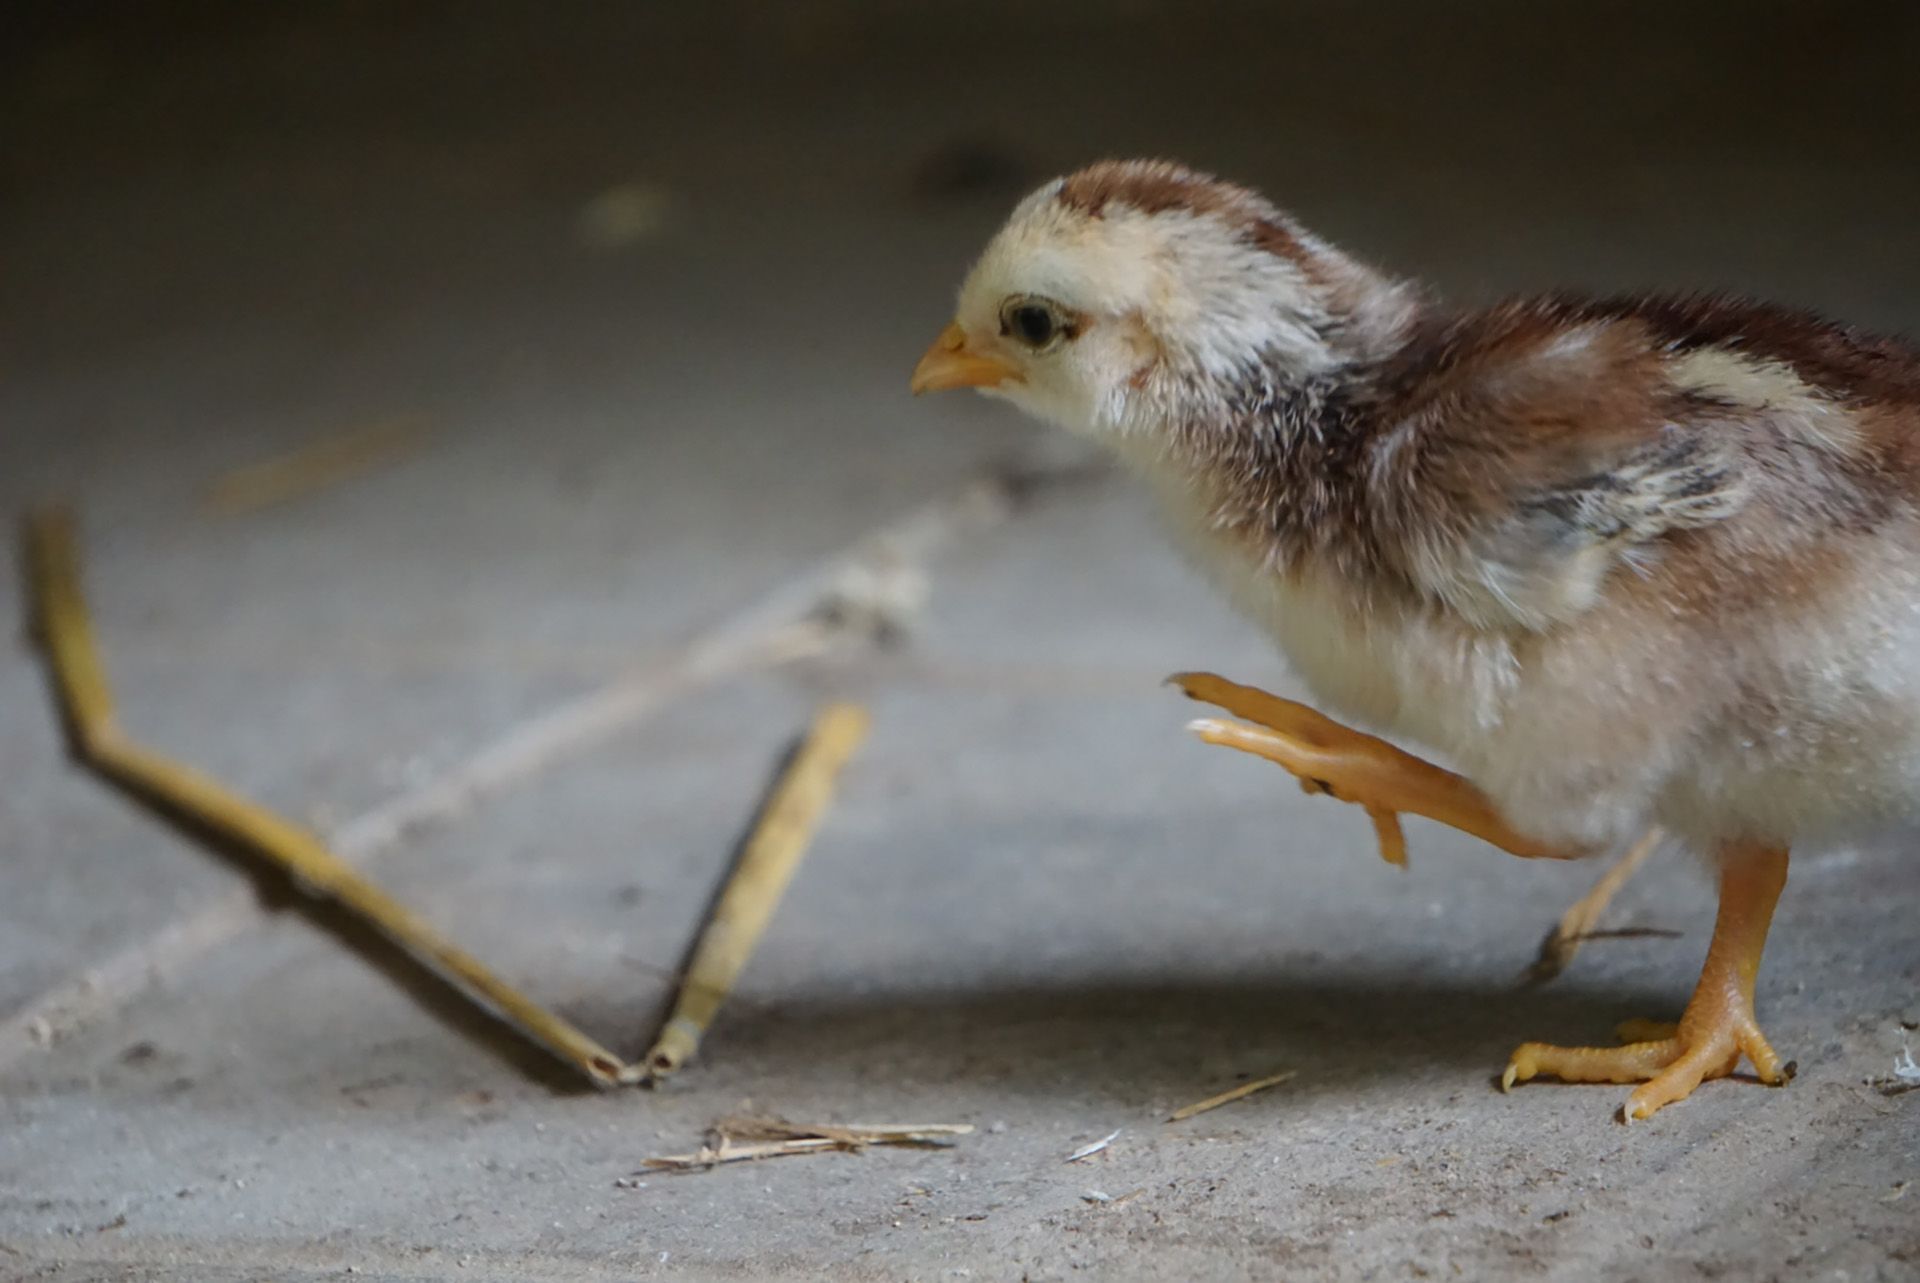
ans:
(1717, 1028)
(1353, 766)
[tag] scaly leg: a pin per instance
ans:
(1354, 767)
(1718, 1026)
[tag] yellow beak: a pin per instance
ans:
(950, 363)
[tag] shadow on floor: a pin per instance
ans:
(1142, 1041)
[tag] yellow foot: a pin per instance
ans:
(1351, 766)
(1668, 1068)
(1718, 1028)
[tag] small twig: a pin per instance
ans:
(1228, 1097)
(766, 865)
(727, 1152)
(1088, 1151)
(778, 1138)
(87, 703)
(1577, 924)
(327, 461)
(743, 1128)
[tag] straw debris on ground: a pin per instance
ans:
(739, 1139)
(1232, 1094)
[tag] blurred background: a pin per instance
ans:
(605, 209)
(587, 328)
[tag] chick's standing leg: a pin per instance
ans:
(1717, 1027)
(1353, 766)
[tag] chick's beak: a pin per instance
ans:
(950, 363)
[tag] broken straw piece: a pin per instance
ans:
(736, 1127)
(727, 1152)
(778, 1138)
(326, 461)
(1232, 1094)
(86, 702)
(1577, 925)
(766, 865)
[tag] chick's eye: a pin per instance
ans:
(1035, 323)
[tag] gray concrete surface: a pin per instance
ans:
(1037, 907)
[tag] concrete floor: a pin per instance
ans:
(1037, 907)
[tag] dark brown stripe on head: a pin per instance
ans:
(1162, 186)
(1150, 186)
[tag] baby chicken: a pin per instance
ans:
(1628, 561)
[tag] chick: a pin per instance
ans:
(1629, 561)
